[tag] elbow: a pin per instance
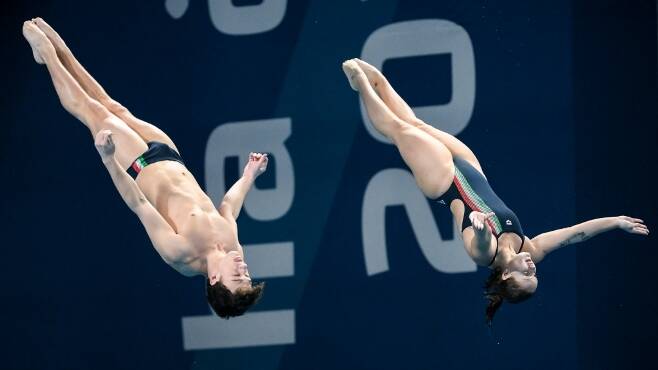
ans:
(136, 203)
(224, 207)
(168, 258)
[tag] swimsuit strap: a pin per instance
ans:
(495, 254)
(522, 241)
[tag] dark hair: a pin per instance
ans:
(496, 290)
(227, 304)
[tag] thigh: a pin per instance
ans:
(429, 160)
(456, 146)
(147, 131)
(128, 144)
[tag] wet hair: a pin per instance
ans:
(496, 290)
(227, 304)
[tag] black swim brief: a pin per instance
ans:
(156, 152)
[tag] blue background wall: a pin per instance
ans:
(563, 123)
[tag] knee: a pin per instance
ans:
(417, 122)
(94, 112)
(82, 106)
(73, 106)
(400, 129)
(114, 106)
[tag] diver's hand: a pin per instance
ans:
(105, 144)
(257, 164)
(478, 220)
(632, 225)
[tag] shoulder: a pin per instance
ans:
(483, 261)
(531, 247)
(188, 268)
(172, 249)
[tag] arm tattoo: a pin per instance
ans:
(578, 237)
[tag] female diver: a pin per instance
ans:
(446, 169)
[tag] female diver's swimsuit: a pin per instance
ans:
(472, 188)
(156, 152)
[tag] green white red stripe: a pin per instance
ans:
(139, 164)
(475, 202)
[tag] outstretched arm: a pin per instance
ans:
(165, 240)
(234, 197)
(547, 242)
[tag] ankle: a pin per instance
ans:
(47, 53)
(377, 80)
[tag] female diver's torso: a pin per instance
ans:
(471, 188)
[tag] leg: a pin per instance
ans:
(145, 130)
(429, 160)
(396, 104)
(74, 99)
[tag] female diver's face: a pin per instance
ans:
(521, 269)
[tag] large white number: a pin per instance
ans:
(236, 20)
(395, 187)
(246, 20)
(176, 8)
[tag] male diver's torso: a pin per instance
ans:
(174, 192)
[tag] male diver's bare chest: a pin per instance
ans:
(208, 230)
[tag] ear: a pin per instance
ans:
(213, 279)
(506, 274)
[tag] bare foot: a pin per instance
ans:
(52, 35)
(353, 73)
(38, 41)
(373, 74)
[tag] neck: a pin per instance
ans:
(505, 254)
(212, 262)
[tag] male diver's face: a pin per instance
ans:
(521, 269)
(233, 272)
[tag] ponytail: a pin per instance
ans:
(497, 290)
(493, 304)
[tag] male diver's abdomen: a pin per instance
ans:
(172, 189)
